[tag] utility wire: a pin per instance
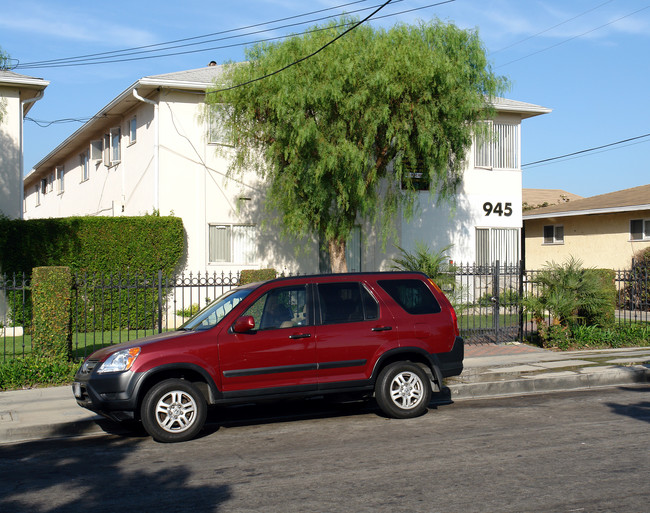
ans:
(48, 123)
(551, 28)
(307, 56)
(25, 66)
(117, 52)
(588, 150)
(120, 55)
(574, 37)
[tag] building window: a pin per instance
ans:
(37, 192)
(217, 133)
(133, 130)
(494, 244)
(59, 172)
(554, 234)
(43, 186)
(236, 244)
(640, 229)
(499, 149)
(83, 162)
(96, 150)
(115, 152)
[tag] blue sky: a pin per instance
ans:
(588, 60)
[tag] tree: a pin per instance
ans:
(342, 136)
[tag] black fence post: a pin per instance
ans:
(495, 299)
(520, 301)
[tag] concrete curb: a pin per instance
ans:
(586, 378)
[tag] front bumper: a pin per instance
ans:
(112, 395)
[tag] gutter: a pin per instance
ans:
(40, 95)
(156, 148)
(586, 212)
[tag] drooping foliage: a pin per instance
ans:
(350, 133)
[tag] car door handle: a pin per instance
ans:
(382, 328)
(300, 335)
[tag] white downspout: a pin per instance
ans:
(156, 149)
(22, 151)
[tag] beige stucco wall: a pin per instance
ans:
(10, 179)
(601, 240)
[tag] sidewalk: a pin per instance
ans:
(490, 371)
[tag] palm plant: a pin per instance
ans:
(568, 293)
(435, 264)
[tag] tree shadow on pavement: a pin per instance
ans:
(638, 411)
(107, 473)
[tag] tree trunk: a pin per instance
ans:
(337, 256)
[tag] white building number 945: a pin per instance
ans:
(499, 209)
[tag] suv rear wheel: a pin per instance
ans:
(173, 411)
(402, 390)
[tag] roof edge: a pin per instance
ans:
(571, 213)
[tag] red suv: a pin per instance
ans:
(394, 334)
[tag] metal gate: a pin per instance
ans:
(488, 303)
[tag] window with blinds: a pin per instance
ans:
(494, 244)
(235, 244)
(500, 150)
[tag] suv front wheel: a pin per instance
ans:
(402, 390)
(173, 411)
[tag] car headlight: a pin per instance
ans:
(119, 361)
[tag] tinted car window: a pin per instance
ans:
(346, 302)
(412, 295)
(281, 308)
(212, 314)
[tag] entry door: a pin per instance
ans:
(280, 352)
(353, 329)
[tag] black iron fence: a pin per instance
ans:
(116, 308)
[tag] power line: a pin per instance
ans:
(80, 63)
(121, 55)
(117, 52)
(307, 56)
(551, 28)
(574, 37)
(582, 152)
(48, 123)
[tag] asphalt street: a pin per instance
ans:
(574, 451)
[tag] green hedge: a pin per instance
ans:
(51, 293)
(254, 275)
(91, 245)
(131, 249)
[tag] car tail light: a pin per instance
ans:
(454, 318)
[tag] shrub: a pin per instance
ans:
(435, 264)
(51, 291)
(570, 295)
(254, 275)
(93, 245)
(31, 370)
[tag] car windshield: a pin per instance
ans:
(212, 314)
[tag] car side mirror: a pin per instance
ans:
(244, 324)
